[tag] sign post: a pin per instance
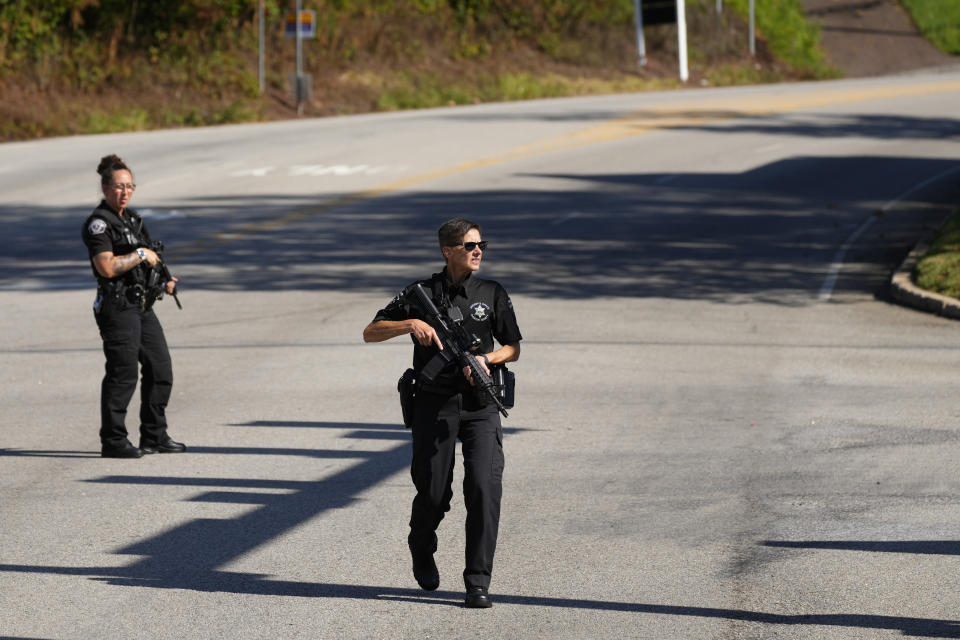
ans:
(300, 96)
(682, 39)
(260, 57)
(647, 12)
(638, 22)
(300, 25)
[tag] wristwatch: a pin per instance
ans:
(142, 254)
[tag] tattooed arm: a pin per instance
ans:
(109, 265)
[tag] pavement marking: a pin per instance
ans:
(672, 115)
(334, 169)
(826, 290)
(679, 114)
(259, 172)
(318, 170)
(921, 185)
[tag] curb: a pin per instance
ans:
(905, 292)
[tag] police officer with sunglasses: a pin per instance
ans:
(446, 408)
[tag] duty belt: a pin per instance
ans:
(134, 293)
(112, 287)
(444, 388)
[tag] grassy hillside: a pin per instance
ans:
(88, 66)
(938, 21)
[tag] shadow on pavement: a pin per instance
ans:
(936, 547)
(188, 555)
(47, 453)
(768, 234)
(812, 125)
(843, 125)
(259, 585)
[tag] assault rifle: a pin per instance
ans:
(458, 346)
(159, 277)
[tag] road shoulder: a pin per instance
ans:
(904, 291)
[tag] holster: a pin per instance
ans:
(407, 386)
(506, 384)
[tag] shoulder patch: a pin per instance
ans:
(398, 299)
(97, 226)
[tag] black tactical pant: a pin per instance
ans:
(438, 421)
(132, 337)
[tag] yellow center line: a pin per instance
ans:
(666, 116)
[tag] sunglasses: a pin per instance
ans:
(470, 246)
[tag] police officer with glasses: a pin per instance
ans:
(118, 244)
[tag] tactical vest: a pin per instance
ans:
(127, 234)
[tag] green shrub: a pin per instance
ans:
(784, 26)
(939, 269)
(134, 119)
(938, 21)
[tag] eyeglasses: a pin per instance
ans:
(124, 187)
(470, 246)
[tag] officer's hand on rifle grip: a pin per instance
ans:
(425, 334)
(150, 257)
(484, 361)
(171, 285)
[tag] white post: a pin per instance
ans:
(719, 6)
(682, 39)
(261, 56)
(638, 21)
(753, 23)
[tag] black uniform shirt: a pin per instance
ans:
(105, 231)
(486, 308)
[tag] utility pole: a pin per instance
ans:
(753, 30)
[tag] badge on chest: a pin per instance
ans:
(480, 311)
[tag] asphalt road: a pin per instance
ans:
(724, 428)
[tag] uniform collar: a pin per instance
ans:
(450, 287)
(128, 213)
